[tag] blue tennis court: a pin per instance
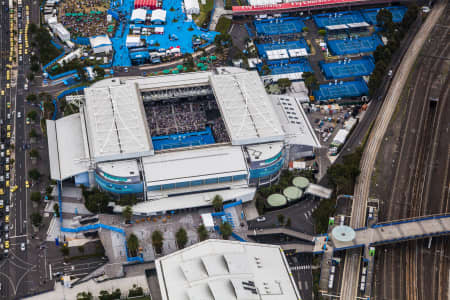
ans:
(279, 26)
(348, 68)
(302, 66)
(338, 18)
(354, 45)
(301, 43)
(346, 89)
(370, 15)
(183, 140)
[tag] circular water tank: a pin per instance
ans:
(276, 200)
(300, 182)
(292, 193)
(343, 233)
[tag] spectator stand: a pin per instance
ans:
(279, 26)
(340, 89)
(348, 68)
(338, 18)
(370, 15)
(354, 45)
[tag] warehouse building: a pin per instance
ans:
(219, 269)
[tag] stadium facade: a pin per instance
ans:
(178, 140)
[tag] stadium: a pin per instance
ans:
(178, 140)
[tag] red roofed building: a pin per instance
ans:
(148, 4)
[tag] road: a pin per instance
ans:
(19, 271)
(352, 260)
(420, 176)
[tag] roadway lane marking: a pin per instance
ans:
(50, 271)
(17, 236)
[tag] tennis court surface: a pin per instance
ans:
(301, 43)
(354, 45)
(348, 68)
(339, 90)
(338, 18)
(370, 15)
(279, 26)
(299, 67)
(183, 140)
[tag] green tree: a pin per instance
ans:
(65, 250)
(310, 81)
(35, 197)
(34, 174)
(226, 230)
(157, 241)
(83, 295)
(181, 238)
(30, 76)
(127, 213)
(133, 244)
(36, 219)
(32, 97)
(288, 222)
(280, 218)
(34, 153)
(97, 201)
(322, 32)
(305, 29)
(284, 83)
(217, 203)
(202, 233)
(33, 133)
(265, 70)
(32, 114)
(56, 209)
(99, 71)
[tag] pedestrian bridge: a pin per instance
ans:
(378, 234)
(396, 231)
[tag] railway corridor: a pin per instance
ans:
(412, 175)
(349, 285)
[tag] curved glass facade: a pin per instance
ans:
(119, 187)
(267, 171)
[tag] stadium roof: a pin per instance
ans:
(228, 270)
(158, 15)
(138, 14)
(246, 108)
(189, 165)
(99, 41)
(116, 123)
(66, 147)
(295, 122)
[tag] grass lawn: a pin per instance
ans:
(223, 25)
(204, 12)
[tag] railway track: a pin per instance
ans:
(351, 267)
(409, 271)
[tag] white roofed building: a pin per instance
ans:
(158, 16)
(175, 140)
(101, 44)
(191, 7)
(60, 31)
(138, 15)
(228, 270)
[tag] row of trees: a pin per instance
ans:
(181, 238)
(136, 291)
(394, 33)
